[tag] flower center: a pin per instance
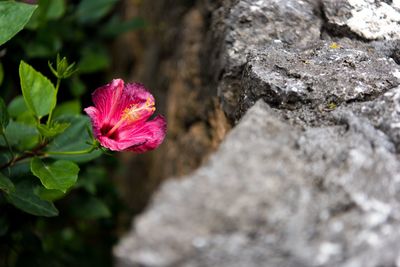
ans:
(133, 113)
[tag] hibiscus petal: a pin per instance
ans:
(139, 138)
(107, 99)
(153, 132)
(96, 118)
(136, 97)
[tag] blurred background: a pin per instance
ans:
(157, 43)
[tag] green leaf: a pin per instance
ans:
(22, 135)
(25, 199)
(17, 106)
(5, 184)
(56, 9)
(48, 10)
(92, 177)
(90, 11)
(59, 175)
(4, 116)
(94, 58)
(67, 108)
(48, 194)
(13, 17)
(92, 209)
(54, 130)
(75, 138)
(39, 93)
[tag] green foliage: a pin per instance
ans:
(94, 58)
(39, 93)
(63, 69)
(48, 10)
(67, 109)
(5, 184)
(58, 205)
(21, 135)
(49, 194)
(75, 138)
(59, 175)
(17, 107)
(13, 17)
(90, 11)
(52, 131)
(24, 198)
(92, 209)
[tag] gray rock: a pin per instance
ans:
(371, 20)
(383, 113)
(249, 25)
(322, 75)
(274, 195)
(310, 175)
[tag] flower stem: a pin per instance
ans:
(79, 152)
(51, 112)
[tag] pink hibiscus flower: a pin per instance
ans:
(120, 118)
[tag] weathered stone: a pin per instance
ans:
(312, 176)
(253, 24)
(368, 19)
(383, 113)
(274, 195)
(322, 75)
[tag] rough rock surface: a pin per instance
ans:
(320, 75)
(275, 195)
(310, 174)
(369, 19)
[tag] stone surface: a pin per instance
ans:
(274, 195)
(247, 25)
(310, 174)
(318, 76)
(368, 19)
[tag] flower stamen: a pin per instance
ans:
(132, 114)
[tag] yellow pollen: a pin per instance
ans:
(132, 114)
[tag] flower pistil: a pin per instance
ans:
(133, 113)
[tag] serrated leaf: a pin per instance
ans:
(25, 199)
(5, 184)
(39, 93)
(59, 175)
(52, 131)
(13, 17)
